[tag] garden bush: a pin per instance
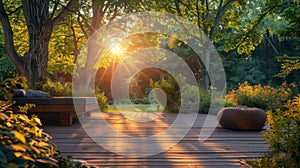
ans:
(283, 135)
(205, 102)
(264, 97)
(102, 100)
(24, 144)
(189, 95)
(171, 89)
(54, 88)
(8, 86)
(60, 89)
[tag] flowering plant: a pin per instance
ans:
(264, 97)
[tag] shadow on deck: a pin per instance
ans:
(224, 148)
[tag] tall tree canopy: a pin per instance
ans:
(34, 45)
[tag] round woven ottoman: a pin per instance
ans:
(242, 118)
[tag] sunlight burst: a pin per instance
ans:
(117, 50)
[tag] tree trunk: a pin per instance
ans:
(9, 42)
(36, 14)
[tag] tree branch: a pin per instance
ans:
(54, 9)
(14, 11)
(272, 45)
(114, 14)
(9, 42)
(198, 14)
(64, 12)
(82, 28)
(258, 21)
(178, 7)
(51, 23)
(221, 10)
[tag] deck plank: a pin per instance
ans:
(224, 148)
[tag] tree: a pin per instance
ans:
(232, 25)
(40, 18)
(291, 60)
(103, 11)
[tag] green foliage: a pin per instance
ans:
(60, 89)
(187, 96)
(264, 97)
(244, 69)
(205, 102)
(66, 40)
(8, 86)
(24, 144)
(289, 64)
(171, 89)
(283, 136)
(292, 15)
(25, 108)
(102, 100)
(54, 88)
(7, 68)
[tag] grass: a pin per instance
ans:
(138, 108)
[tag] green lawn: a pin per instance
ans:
(138, 107)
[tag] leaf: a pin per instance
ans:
(35, 149)
(3, 158)
(42, 144)
(37, 120)
(49, 161)
(23, 117)
(9, 124)
(28, 158)
(19, 147)
(19, 136)
(18, 154)
(3, 116)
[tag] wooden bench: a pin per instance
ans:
(59, 110)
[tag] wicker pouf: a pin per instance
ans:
(242, 118)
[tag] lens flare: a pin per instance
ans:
(117, 50)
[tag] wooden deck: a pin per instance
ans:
(224, 148)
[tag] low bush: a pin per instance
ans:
(172, 91)
(102, 100)
(264, 97)
(189, 95)
(283, 136)
(24, 144)
(60, 89)
(205, 102)
(8, 86)
(54, 88)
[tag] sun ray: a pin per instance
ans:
(117, 50)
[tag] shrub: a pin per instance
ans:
(8, 86)
(189, 96)
(171, 89)
(24, 144)
(283, 136)
(264, 97)
(205, 102)
(54, 88)
(22, 141)
(102, 100)
(65, 89)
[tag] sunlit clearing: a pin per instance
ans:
(117, 50)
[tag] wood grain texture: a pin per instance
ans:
(224, 148)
